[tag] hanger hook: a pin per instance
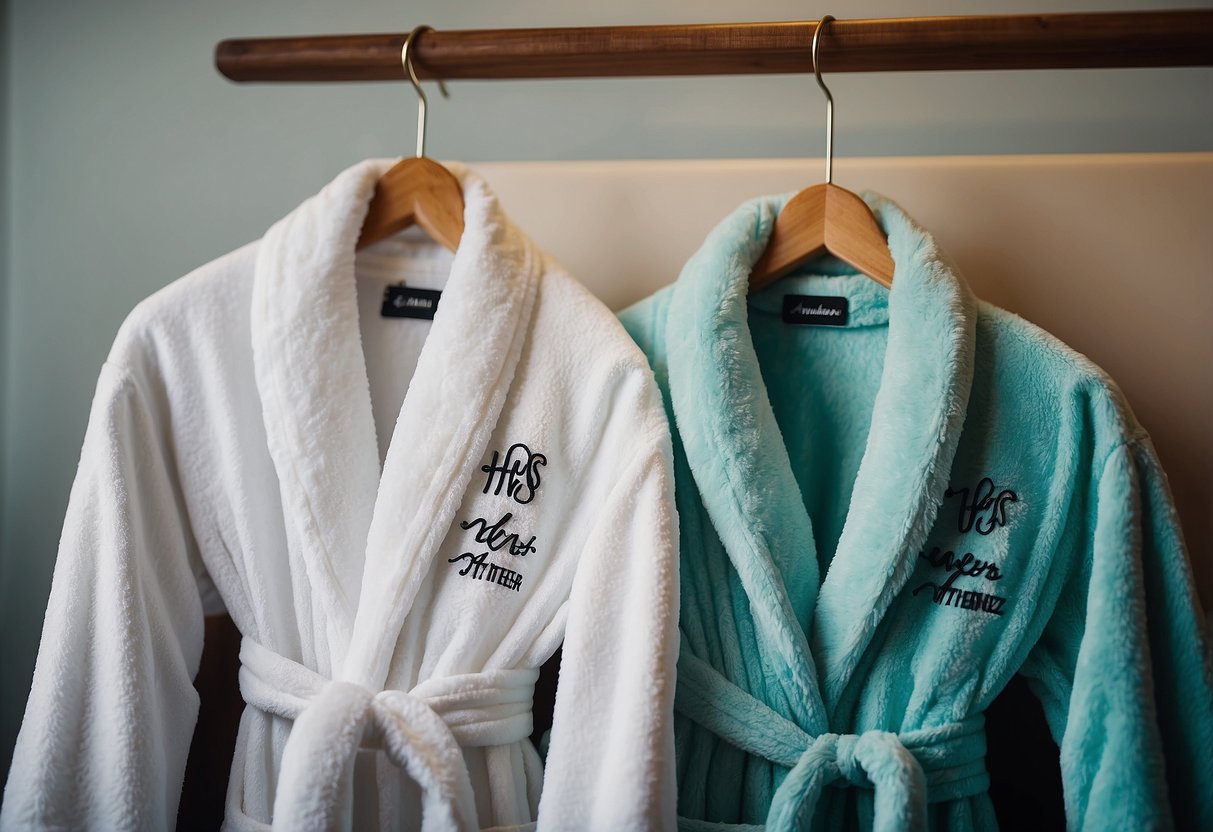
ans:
(821, 24)
(407, 60)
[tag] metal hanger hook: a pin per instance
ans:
(828, 18)
(407, 60)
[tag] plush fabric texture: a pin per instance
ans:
(881, 523)
(405, 518)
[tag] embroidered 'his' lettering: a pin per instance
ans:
(985, 511)
(518, 473)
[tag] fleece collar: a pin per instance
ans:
(367, 538)
(743, 473)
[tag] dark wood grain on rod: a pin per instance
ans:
(1045, 41)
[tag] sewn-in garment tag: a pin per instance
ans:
(814, 310)
(407, 302)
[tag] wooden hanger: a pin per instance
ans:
(418, 190)
(824, 219)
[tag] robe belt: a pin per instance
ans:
(420, 731)
(905, 771)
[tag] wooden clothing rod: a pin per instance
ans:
(1043, 41)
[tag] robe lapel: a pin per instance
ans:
(315, 398)
(366, 540)
(743, 473)
(460, 385)
(916, 424)
(740, 465)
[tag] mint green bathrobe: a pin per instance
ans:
(882, 522)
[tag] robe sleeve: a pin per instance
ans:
(1123, 667)
(610, 763)
(112, 709)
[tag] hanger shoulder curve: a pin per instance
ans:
(798, 236)
(824, 218)
(416, 190)
(853, 236)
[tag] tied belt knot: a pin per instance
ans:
(904, 771)
(422, 732)
(864, 760)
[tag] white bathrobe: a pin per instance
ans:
(395, 604)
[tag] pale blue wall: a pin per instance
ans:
(129, 161)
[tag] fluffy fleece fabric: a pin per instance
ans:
(882, 522)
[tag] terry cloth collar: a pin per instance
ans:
(367, 539)
(741, 466)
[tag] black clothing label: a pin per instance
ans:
(403, 302)
(814, 310)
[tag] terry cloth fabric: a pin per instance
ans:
(404, 518)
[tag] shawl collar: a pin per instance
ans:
(743, 473)
(365, 540)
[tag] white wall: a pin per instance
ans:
(129, 161)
